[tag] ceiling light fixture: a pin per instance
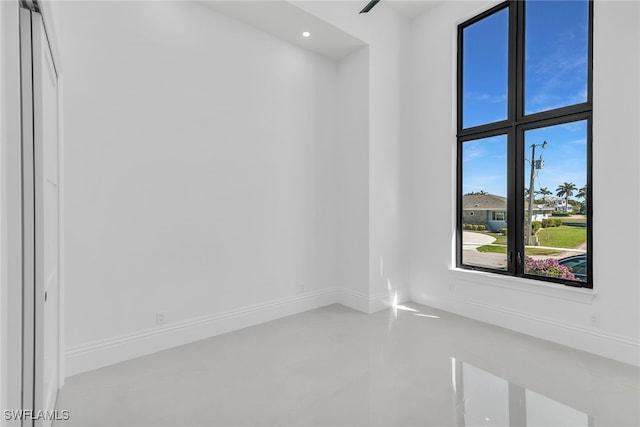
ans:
(306, 34)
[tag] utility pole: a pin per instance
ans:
(534, 165)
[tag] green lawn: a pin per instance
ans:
(494, 249)
(536, 251)
(500, 240)
(528, 251)
(562, 237)
(557, 237)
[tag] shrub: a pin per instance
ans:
(467, 227)
(551, 222)
(549, 267)
(482, 227)
(560, 214)
(535, 226)
(503, 231)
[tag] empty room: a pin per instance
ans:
(320, 213)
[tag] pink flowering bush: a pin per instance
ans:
(549, 267)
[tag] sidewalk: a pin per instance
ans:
(471, 240)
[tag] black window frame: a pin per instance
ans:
(514, 127)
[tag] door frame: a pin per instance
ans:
(28, 214)
(33, 30)
(10, 211)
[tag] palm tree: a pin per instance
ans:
(544, 192)
(566, 190)
(582, 193)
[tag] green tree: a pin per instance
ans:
(544, 192)
(566, 190)
(582, 194)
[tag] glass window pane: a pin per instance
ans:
(485, 70)
(556, 60)
(555, 198)
(484, 202)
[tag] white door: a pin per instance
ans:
(40, 181)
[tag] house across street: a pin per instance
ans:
(490, 210)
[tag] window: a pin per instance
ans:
(524, 141)
(498, 215)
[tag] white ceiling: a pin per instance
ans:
(287, 22)
(411, 8)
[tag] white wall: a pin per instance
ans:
(266, 173)
(352, 161)
(191, 171)
(342, 191)
(387, 36)
(552, 312)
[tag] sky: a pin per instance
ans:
(565, 159)
(555, 76)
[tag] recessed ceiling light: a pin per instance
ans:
(306, 34)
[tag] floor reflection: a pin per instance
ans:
(485, 399)
(411, 365)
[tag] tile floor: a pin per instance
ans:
(410, 366)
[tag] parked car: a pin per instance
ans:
(577, 264)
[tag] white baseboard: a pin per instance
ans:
(604, 344)
(98, 354)
(352, 299)
(373, 303)
(107, 352)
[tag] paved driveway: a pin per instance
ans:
(471, 240)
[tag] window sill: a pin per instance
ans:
(531, 286)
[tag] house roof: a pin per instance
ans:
(543, 208)
(484, 202)
(491, 202)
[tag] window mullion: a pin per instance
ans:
(515, 101)
(517, 198)
(518, 33)
(513, 67)
(518, 201)
(512, 207)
